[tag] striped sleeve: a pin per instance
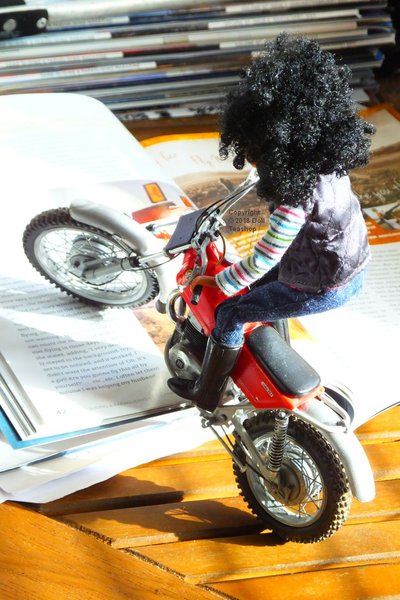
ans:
(284, 225)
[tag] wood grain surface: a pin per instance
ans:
(177, 528)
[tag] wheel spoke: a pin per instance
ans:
(57, 248)
(307, 509)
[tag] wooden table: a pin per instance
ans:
(176, 528)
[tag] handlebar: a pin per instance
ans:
(198, 228)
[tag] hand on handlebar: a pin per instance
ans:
(203, 280)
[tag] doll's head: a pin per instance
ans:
(293, 116)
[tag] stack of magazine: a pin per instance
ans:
(180, 58)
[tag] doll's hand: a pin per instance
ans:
(203, 280)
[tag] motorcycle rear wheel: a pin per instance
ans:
(314, 498)
(56, 244)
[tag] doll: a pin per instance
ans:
(293, 118)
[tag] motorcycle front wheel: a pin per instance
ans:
(311, 498)
(59, 248)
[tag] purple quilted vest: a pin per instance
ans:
(332, 246)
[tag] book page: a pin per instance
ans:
(79, 366)
(193, 161)
(73, 145)
(356, 344)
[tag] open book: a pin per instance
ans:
(66, 368)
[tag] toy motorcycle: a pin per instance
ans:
(296, 459)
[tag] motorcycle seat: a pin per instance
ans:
(287, 369)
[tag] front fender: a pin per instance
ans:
(136, 236)
(114, 222)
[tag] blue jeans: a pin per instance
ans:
(269, 300)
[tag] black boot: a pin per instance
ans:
(207, 390)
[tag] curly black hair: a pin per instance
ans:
(292, 114)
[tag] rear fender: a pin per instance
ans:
(347, 446)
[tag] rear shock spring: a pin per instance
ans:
(278, 441)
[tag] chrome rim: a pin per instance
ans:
(57, 249)
(309, 498)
